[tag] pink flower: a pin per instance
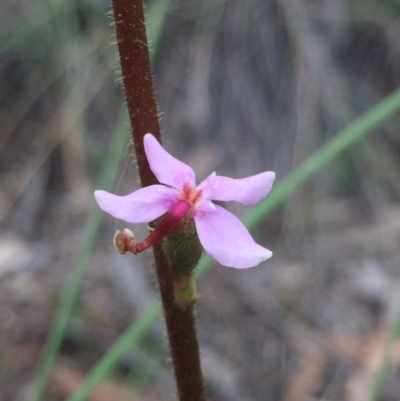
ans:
(221, 233)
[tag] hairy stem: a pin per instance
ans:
(137, 78)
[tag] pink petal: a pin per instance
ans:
(166, 168)
(227, 240)
(141, 206)
(248, 190)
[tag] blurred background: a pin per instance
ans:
(242, 87)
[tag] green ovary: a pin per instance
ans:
(183, 249)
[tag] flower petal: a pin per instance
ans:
(248, 190)
(166, 168)
(227, 240)
(141, 206)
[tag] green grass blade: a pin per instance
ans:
(379, 379)
(323, 156)
(70, 294)
(106, 365)
(312, 165)
(154, 24)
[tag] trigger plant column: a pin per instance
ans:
(137, 79)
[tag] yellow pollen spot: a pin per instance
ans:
(191, 195)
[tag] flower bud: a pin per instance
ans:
(124, 241)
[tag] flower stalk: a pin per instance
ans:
(137, 78)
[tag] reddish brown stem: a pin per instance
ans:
(136, 72)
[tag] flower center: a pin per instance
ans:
(191, 195)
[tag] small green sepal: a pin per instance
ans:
(185, 290)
